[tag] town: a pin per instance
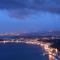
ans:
(50, 44)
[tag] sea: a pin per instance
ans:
(22, 51)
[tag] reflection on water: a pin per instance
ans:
(13, 51)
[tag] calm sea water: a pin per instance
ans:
(13, 51)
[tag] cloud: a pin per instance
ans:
(23, 8)
(21, 13)
(17, 8)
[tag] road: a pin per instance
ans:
(51, 52)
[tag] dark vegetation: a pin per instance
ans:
(55, 43)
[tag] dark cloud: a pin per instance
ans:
(31, 4)
(21, 13)
(17, 8)
(11, 4)
(44, 5)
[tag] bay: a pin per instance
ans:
(13, 51)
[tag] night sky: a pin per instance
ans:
(29, 15)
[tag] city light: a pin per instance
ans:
(51, 52)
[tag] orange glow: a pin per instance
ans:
(51, 57)
(46, 46)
